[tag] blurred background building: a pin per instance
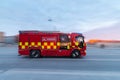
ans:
(103, 43)
(8, 40)
(1, 37)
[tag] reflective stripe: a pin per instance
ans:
(23, 47)
(42, 47)
(39, 44)
(20, 43)
(76, 43)
(51, 44)
(48, 47)
(32, 43)
(45, 43)
(68, 47)
(58, 43)
(26, 43)
(54, 47)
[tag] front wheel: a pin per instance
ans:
(35, 54)
(75, 54)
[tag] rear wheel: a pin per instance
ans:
(75, 54)
(35, 54)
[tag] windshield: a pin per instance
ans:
(79, 38)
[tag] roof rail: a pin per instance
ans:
(36, 31)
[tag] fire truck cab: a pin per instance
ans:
(49, 43)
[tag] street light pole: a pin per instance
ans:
(54, 27)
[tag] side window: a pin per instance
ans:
(64, 38)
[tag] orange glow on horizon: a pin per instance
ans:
(93, 41)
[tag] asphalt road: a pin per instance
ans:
(99, 64)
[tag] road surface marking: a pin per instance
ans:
(83, 59)
(104, 54)
(102, 59)
(62, 72)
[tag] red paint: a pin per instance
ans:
(33, 40)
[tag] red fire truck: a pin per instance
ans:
(51, 43)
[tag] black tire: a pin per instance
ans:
(75, 54)
(35, 54)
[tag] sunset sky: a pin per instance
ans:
(60, 15)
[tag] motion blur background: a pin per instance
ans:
(98, 20)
